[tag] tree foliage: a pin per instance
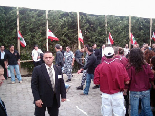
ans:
(64, 26)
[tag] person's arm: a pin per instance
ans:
(5, 61)
(62, 89)
(73, 58)
(34, 87)
(97, 76)
(18, 57)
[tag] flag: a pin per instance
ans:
(133, 41)
(52, 36)
(110, 39)
(80, 37)
(153, 36)
(22, 41)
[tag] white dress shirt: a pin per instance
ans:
(2, 55)
(53, 71)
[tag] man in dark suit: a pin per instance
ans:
(2, 105)
(2, 55)
(47, 84)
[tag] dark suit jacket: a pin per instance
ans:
(42, 87)
(2, 110)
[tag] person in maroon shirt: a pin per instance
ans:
(140, 75)
(112, 77)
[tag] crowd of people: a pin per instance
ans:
(120, 74)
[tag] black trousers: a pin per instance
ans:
(37, 63)
(5, 70)
(52, 111)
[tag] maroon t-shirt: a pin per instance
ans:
(140, 81)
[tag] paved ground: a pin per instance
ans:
(19, 100)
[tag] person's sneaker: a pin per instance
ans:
(96, 86)
(68, 88)
(12, 82)
(83, 94)
(68, 80)
(20, 81)
(79, 88)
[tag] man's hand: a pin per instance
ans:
(79, 71)
(62, 100)
(72, 64)
(18, 62)
(38, 57)
(127, 82)
(39, 103)
(6, 66)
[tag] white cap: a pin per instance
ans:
(108, 51)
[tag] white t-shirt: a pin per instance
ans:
(35, 54)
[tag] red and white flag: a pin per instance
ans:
(133, 40)
(80, 37)
(110, 39)
(153, 36)
(52, 36)
(22, 41)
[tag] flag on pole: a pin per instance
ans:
(22, 41)
(52, 36)
(133, 40)
(110, 39)
(153, 36)
(80, 37)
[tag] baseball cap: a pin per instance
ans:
(108, 51)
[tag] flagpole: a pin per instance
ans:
(150, 30)
(18, 40)
(47, 29)
(106, 29)
(79, 45)
(129, 32)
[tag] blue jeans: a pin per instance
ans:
(88, 81)
(16, 67)
(144, 96)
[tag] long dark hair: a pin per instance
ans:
(153, 62)
(136, 59)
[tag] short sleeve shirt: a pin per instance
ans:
(35, 54)
(12, 57)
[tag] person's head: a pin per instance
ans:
(103, 46)
(1, 75)
(94, 46)
(153, 45)
(86, 47)
(2, 48)
(148, 54)
(136, 58)
(48, 58)
(67, 48)
(126, 45)
(121, 51)
(90, 50)
(11, 47)
(82, 50)
(36, 47)
(57, 47)
(116, 50)
(60, 48)
(153, 62)
(108, 52)
(135, 46)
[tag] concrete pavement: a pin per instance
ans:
(19, 100)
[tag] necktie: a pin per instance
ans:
(51, 78)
